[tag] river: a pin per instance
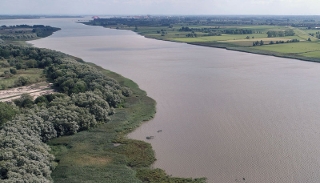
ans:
(225, 115)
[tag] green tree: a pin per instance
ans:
(41, 100)
(261, 43)
(7, 112)
(13, 71)
(25, 101)
(22, 81)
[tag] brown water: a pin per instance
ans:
(224, 115)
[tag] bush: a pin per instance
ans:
(22, 81)
(7, 112)
(25, 101)
(13, 71)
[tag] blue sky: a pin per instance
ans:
(172, 7)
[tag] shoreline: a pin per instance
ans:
(226, 46)
(123, 159)
(233, 48)
(105, 153)
(116, 154)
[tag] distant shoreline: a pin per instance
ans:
(239, 49)
(227, 47)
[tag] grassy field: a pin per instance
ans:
(312, 54)
(304, 49)
(292, 48)
(34, 75)
(104, 154)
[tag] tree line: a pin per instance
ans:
(261, 43)
(281, 33)
(217, 30)
(25, 32)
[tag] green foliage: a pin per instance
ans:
(25, 32)
(23, 156)
(13, 71)
(89, 156)
(96, 105)
(72, 78)
(126, 92)
(138, 153)
(159, 176)
(86, 102)
(7, 112)
(288, 32)
(22, 81)
(25, 101)
(258, 43)
(41, 100)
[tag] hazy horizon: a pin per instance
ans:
(160, 7)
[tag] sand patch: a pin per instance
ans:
(34, 90)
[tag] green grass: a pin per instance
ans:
(159, 176)
(303, 50)
(248, 42)
(34, 74)
(313, 54)
(303, 34)
(295, 48)
(224, 37)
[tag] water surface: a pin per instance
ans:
(224, 115)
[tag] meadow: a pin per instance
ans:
(32, 75)
(307, 47)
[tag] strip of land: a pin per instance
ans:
(289, 37)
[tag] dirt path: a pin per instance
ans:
(34, 90)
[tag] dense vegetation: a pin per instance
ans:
(25, 32)
(288, 32)
(87, 97)
(7, 112)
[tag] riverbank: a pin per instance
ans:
(258, 52)
(304, 47)
(232, 47)
(245, 102)
(104, 154)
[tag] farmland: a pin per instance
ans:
(279, 36)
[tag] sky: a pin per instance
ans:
(160, 7)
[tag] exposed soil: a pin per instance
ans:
(34, 90)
